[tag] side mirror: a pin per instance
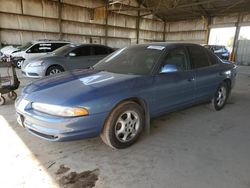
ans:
(72, 54)
(169, 68)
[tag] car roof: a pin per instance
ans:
(87, 44)
(48, 41)
(168, 44)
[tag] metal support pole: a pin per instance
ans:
(22, 6)
(0, 39)
(164, 31)
(106, 21)
(236, 37)
(60, 19)
(208, 22)
(138, 26)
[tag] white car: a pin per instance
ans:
(8, 50)
(35, 49)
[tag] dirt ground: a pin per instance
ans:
(192, 148)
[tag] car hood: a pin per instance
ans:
(7, 50)
(74, 87)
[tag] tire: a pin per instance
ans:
(2, 100)
(124, 125)
(19, 64)
(12, 95)
(220, 97)
(54, 70)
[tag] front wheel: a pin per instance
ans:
(54, 70)
(220, 98)
(124, 125)
(19, 64)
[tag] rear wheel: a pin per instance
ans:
(124, 125)
(54, 70)
(2, 100)
(220, 98)
(12, 95)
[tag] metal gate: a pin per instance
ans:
(243, 52)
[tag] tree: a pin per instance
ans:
(230, 42)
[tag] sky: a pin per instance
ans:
(221, 36)
(245, 32)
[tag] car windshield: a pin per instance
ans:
(25, 46)
(132, 60)
(64, 49)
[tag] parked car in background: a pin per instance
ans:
(117, 97)
(69, 57)
(7, 50)
(36, 49)
(5, 53)
(221, 51)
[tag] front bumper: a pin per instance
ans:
(34, 72)
(55, 128)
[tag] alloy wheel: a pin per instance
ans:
(221, 96)
(19, 64)
(54, 71)
(127, 126)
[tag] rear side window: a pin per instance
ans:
(212, 57)
(82, 51)
(100, 50)
(45, 47)
(198, 57)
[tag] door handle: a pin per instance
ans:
(191, 79)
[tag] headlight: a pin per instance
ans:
(228, 72)
(63, 111)
(35, 64)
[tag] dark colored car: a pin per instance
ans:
(221, 51)
(117, 97)
(69, 57)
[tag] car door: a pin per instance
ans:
(79, 57)
(174, 85)
(207, 72)
(38, 50)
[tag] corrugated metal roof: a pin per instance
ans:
(174, 10)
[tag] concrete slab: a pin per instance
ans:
(192, 148)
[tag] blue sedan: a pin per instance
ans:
(117, 97)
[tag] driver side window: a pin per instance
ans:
(34, 49)
(175, 60)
